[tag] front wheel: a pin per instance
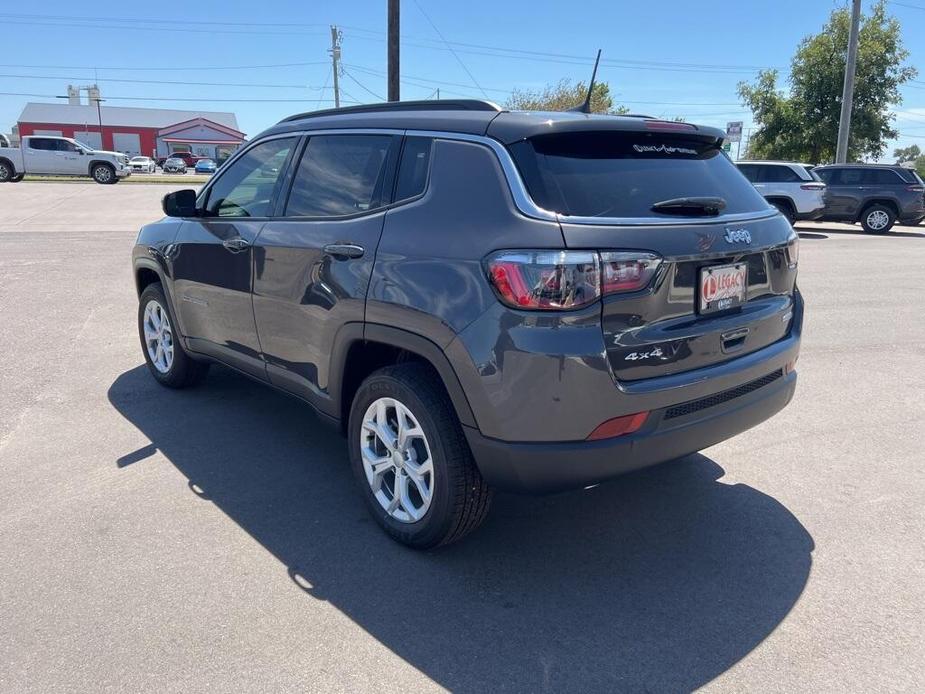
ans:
(167, 361)
(411, 459)
(103, 173)
(878, 219)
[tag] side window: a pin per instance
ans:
(851, 177)
(340, 175)
(41, 143)
(750, 171)
(413, 168)
(782, 174)
(826, 175)
(247, 187)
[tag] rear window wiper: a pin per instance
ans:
(706, 206)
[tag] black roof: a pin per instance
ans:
(474, 117)
(861, 165)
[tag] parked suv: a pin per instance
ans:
(877, 196)
(482, 299)
(792, 188)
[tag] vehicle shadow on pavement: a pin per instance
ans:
(895, 233)
(661, 580)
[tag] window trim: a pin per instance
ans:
(393, 157)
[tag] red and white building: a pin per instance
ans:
(153, 132)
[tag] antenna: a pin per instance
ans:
(586, 106)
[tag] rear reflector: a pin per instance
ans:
(618, 426)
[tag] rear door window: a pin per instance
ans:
(341, 175)
(620, 174)
(850, 177)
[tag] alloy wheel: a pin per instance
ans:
(158, 336)
(878, 219)
(397, 460)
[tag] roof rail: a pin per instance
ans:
(427, 105)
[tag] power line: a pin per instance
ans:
(119, 27)
(173, 82)
(455, 55)
(163, 99)
(363, 86)
(166, 68)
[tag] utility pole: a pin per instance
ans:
(335, 62)
(393, 56)
(847, 97)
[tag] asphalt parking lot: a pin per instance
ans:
(211, 539)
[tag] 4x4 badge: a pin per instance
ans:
(737, 236)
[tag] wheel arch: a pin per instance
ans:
(359, 350)
(784, 200)
(94, 162)
(886, 202)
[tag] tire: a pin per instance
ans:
(176, 369)
(785, 209)
(878, 219)
(103, 174)
(17, 178)
(7, 172)
(458, 496)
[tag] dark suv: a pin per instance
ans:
(877, 196)
(482, 299)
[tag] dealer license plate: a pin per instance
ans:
(723, 287)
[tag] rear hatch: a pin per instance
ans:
(725, 284)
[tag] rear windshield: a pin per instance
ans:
(619, 174)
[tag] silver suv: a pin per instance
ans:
(792, 188)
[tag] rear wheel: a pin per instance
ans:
(103, 173)
(6, 172)
(167, 361)
(878, 219)
(785, 209)
(411, 460)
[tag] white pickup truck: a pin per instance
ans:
(60, 156)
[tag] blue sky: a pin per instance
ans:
(667, 58)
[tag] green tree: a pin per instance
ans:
(904, 154)
(802, 124)
(562, 96)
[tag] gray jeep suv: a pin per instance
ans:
(482, 299)
(877, 196)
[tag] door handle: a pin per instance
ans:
(343, 251)
(236, 244)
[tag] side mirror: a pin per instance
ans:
(181, 203)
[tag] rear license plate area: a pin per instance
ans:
(722, 287)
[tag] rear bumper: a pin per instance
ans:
(552, 466)
(810, 216)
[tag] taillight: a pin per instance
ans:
(793, 251)
(627, 272)
(546, 280)
(813, 186)
(562, 280)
